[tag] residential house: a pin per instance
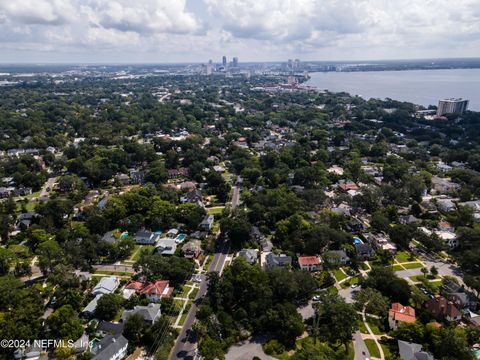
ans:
(153, 291)
(192, 249)
(347, 186)
(146, 237)
(447, 237)
(107, 327)
(110, 237)
(335, 169)
(412, 351)
(339, 257)
(408, 219)
(166, 246)
(137, 176)
(444, 225)
(364, 251)
(257, 236)
(172, 233)
(250, 255)
(443, 185)
(310, 263)
(194, 196)
(399, 314)
(274, 260)
(110, 348)
(381, 241)
(123, 179)
(25, 220)
(207, 223)
(177, 173)
(444, 168)
(443, 309)
(106, 285)
(462, 299)
(342, 209)
(6, 192)
(355, 225)
(446, 204)
(150, 313)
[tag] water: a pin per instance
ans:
(423, 87)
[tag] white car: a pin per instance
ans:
(354, 286)
(316, 298)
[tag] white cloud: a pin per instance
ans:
(186, 30)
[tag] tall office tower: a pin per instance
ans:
(235, 61)
(296, 64)
(224, 61)
(290, 64)
(452, 106)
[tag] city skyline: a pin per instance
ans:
(156, 31)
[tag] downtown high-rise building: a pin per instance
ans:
(235, 62)
(452, 106)
(224, 61)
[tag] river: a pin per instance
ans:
(423, 87)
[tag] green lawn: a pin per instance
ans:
(194, 293)
(414, 265)
(403, 256)
(396, 267)
(339, 275)
(117, 273)
(374, 326)
(137, 251)
(215, 210)
(349, 282)
(183, 318)
(372, 348)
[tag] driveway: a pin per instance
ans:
(307, 311)
(247, 350)
(347, 294)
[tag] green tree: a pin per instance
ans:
(337, 319)
(63, 323)
(108, 306)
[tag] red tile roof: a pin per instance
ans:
(157, 287)
(134, 285)
(308, 260)
(402, 313)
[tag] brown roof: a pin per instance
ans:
(441, 307)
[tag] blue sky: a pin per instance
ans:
(161, 31)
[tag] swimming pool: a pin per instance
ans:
(158, 232)
(124, 235)
(476, 352)
(357, 241)
(180, 237)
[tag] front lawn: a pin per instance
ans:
(339, 275)
(414, 265)
(404, 256)
(349, 282)
(372, 348)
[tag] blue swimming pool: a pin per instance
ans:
(181, 237)
(124, 235)
(357, 241)
(476, 352)
(158, 232)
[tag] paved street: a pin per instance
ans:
(361, 350)
(186, 343)
(44, 193)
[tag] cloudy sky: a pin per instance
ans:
(161, 31)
